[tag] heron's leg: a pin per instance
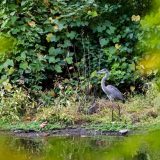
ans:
(112, 107)
(112, 115)
(119, 112)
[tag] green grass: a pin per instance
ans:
(27, 126)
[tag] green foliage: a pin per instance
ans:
(70, 39)
(150, 27)
(8, 44)
(16, 106)
(15, 103)
(149, 41)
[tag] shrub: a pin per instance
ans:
(72, 39)
(15, 103)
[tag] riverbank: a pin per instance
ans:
(82, 132)
(33, 129)
(139, 112)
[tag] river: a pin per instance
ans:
(144, 146)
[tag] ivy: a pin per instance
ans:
(84, 35)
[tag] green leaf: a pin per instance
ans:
(58, 68)
(67, 43)
(101, 28)
(112, 50)
(111, 30)
(71, 35)
(52, 60)
(104, 42)
(54, 38)
(52, 51)
(23, 56)
(92, 13)
(69, 60)
(49, 37)
(10, 71)
(24, 65)
(9, 62)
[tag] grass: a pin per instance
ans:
(140, 111)
(29, 126)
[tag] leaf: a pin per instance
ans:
(58, 68)
(111, 30)
(24, 65)
(56, 27)
(54, 38)
(101, 28)
(132, 88)
(23, 56)
(14, 19)
(10, 71)
(92, 13)
(67, 43)
(52, 51)
(69, 60)
(112, 50)
(48, 37)
(7, 86)
(71, 35)
(23, 3)
(32, 24)
(52, 60)
(103, 42)
(51, 38)
(46, 2)
(57, 51)
(9, 62)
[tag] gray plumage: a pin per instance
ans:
(114, 93)
(111, 91)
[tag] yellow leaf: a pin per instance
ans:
(51, 20)
(49, 36)
(56, 27)
(135, 18)
(7, 86)
(32, 24)
(132, 88)
(117, 46)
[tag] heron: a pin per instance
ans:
(111, 91)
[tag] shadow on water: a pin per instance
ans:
(137, 147)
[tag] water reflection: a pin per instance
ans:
(138, 147)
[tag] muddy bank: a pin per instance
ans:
(68, 132)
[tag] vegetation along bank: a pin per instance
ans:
(49, 57)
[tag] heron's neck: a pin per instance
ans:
(104, 80)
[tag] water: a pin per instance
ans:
(137, 147)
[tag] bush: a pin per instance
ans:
(71, 39)
(15, 103)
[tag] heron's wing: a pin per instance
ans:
(114, 92)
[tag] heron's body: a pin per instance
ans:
(111, 91)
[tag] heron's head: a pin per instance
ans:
(103, 71)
